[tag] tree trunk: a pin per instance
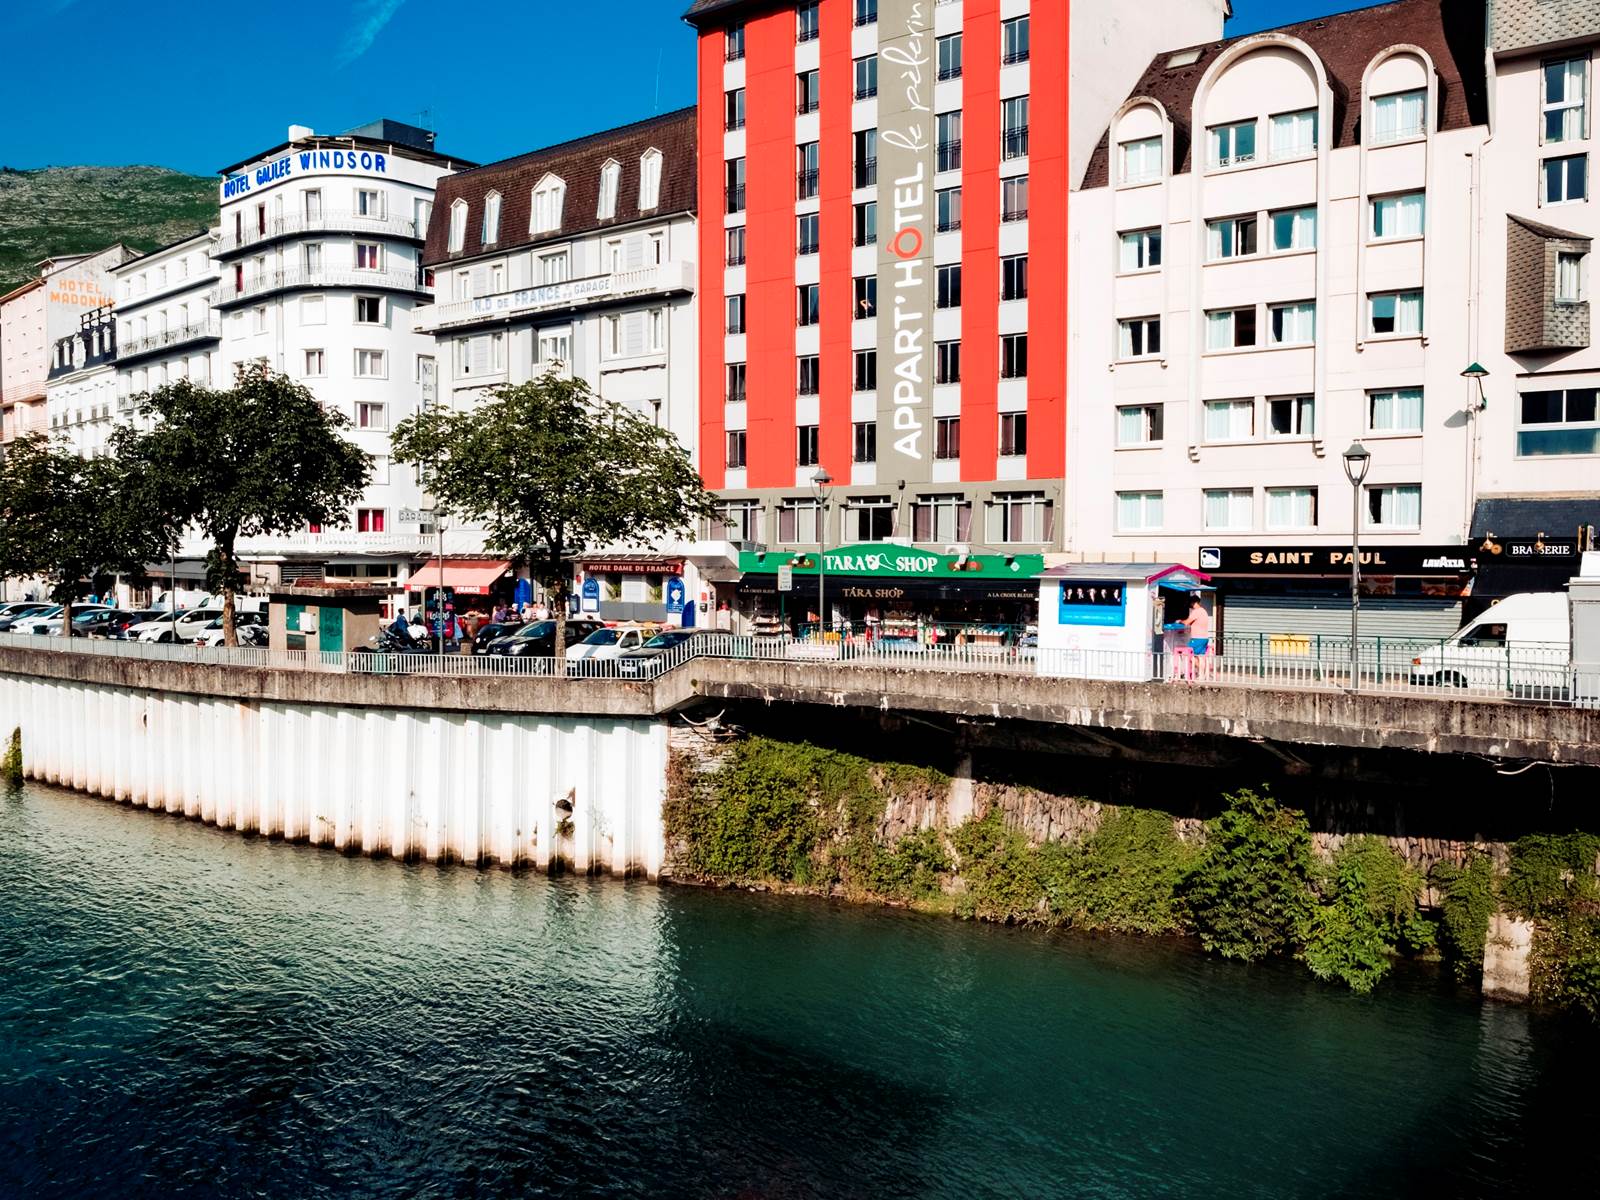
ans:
(558, 611)
(230, 631)
(66, 617)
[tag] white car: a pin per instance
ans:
(46, 623)
(185, 629)
(1521, 645)
(211, 635)
(612, 641)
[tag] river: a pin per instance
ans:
(186, 1012)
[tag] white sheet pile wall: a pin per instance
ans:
(402, 782)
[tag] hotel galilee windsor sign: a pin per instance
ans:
(905, 239)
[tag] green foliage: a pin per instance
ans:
(1249, 892)
(11, 765)
(1001, 871)
(1548, 870)
(912, 869)
(67, 518)
(1368, 914)
(551, 470)
(1467, 903)
(262, 457)
(57, 211)
(1552, 880)
(1124, 876)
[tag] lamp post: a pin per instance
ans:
(820, 489)
(1356, 461)
(1476, 372)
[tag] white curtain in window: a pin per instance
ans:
(1398, 216)
(1219, 330)
(1397, 410)
(1568, 275)
(1294, 134)
(1131, 426)
(1409, 319)
(1294, 324)
(1289, 508)
(1565, 86)
(1295, 229)
(1398, 506)
(1229, 420)
(1141, 160)
(1227, 509)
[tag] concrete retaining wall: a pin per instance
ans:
(409, 782)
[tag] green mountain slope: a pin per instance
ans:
(71, 210)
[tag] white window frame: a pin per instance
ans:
(1398, 332)
(1150, 506)
(316, 368)
(1567, 107)
(555, 267)
(1302, 229)
(491, 219)
(1570, 277)
(1566, 161)
(1397, 397)
(458, 226)
(1405, 129)
(1566, 424)
(1222, 238)
(1297, 315)
(1233, 406)
(649, 179)
(1303, 123)
(1399, 210)
(1241, 506)
(1303, 423)
(1125, 347)
(610, 185)
(1136, 244)
(355, 310)
(377, 209)
(1226, 136)
(375, 253)
(1150, 420)
(549, 198)
(374, 358)
(372, 416)
(1372, 489)
(1293, 494)
(1139, 153)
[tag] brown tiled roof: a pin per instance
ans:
(1548, 231)
(705, 12)
(1451, 31)
(578, 163)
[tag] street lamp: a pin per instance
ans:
(1356, 461)
(1478, 372)
(820, 488)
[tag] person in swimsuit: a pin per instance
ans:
(1199, 623)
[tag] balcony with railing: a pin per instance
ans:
(947, 155)
(1014, 142)
(805, 183)
(663, 280)
(130, 349)
(354, 223)
(866, 172)
(733, 198)
(264, 283)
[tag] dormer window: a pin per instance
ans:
(458, 226)
(491, 218)
(1139, 161)
(548, 199)
(610, 180)
(1399, 117)
(649, 179)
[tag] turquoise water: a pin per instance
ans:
(185, 1012)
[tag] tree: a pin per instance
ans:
(67, 519)
(262, 457)
(550, 470)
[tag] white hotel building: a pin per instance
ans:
(578, 258)
(1274, 256)
(320, 274)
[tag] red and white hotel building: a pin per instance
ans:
(883, 248)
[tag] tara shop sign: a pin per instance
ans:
(899, 562)
(1289, 559)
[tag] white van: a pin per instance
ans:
(1522, 645)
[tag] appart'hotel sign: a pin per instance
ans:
(905, 238)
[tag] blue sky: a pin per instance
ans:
(198, 84)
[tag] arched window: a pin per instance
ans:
(458, 225)
(649, 179)
(610, 180)
(548, 197)
(491, 218)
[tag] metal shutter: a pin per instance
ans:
(1419, 617)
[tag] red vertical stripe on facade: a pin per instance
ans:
(712, 448)
(980, 227)
(1047, 243)
(769, 273)
(835, 232)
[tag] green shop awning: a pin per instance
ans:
(879, 561)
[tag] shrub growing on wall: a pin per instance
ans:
(1368, 915)
(1552, 880)
(1466, 904)
(1249, 892)
(1124, 876)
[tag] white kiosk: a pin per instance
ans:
(1107, 620)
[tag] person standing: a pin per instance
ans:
(1199, 624)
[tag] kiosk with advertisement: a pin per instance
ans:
(1107, 620)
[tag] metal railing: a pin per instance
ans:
(265, 282)
(1536, 672)
(195, 331)
(323, 222)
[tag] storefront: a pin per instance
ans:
(1288, 591)
(1529, 545)
(467, 583)
(632, 587)
(891, 592)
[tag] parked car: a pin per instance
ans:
(28, 609)
(493, 632)
(642, 660)
(93, 622)
(211, 633)
(185, 629)
(47, 622)
(1522, 644)
(538, 639)
(140, 617)
(611, 642)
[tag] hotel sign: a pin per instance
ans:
(303, 162)
(905, 238)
